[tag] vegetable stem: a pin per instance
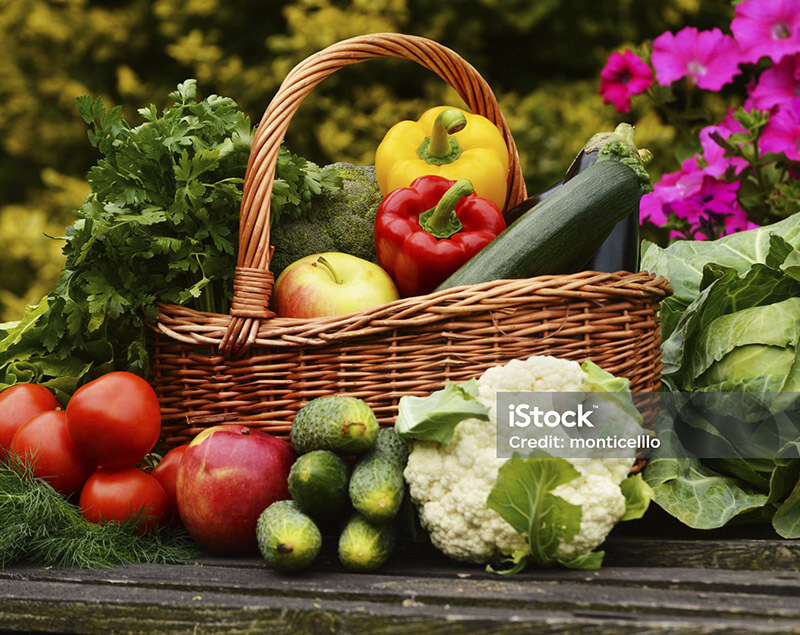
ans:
(441, 147)
(441, 221)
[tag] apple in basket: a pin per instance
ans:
(332, 283)
(229, 474)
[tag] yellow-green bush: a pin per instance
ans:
(542, 58)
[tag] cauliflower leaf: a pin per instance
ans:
(523, 496)
(638, 495)
(435, 417)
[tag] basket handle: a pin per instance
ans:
(252, 279)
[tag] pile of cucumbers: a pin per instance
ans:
(327, 493)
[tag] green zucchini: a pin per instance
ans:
(570, 223)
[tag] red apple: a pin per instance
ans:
(331, 284)
(229, 474)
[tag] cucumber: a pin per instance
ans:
(318, 484)
(377, 486)
(287, 538)
(571, 222)
(344, 425)
(365, 546)
(391, 445)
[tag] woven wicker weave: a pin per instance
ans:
(255, 368)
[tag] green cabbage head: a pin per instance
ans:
(756, 348)
(732, 325)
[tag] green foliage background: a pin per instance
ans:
(542, 58)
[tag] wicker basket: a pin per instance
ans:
(252, 367)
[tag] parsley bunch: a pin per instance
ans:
(160, 225)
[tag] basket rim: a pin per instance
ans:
(193, 327)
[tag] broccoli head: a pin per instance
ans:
(341, 220)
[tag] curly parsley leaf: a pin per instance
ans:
(160, 225)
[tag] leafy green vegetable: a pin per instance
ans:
(786, 520)
(637, 495)
(694, 494)
(39, 526)
(753, 343)
(733, 326)
(522, 495)
(434, 418)
(160, 225)
(297, 183)
(683, 261)
(599, 380)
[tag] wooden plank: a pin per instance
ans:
(90, 608)
(607, 591)
(631, 552)
(481, 585)
(419, 589)
(744, 554)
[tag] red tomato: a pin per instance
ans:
(115, 420)
(44, 439)
(166, 473)
(116, 494)
(18, 404)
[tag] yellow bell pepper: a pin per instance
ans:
(447, 142)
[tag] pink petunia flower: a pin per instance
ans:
(624, 75)
(768, 28)
(709, 58)
(673, 186)
(778, 84)
(716, 163)
(708, 210)
(782, 133)
(708, 205)
(681, 184)
(651, 209)
(737, 221)
(674, 234)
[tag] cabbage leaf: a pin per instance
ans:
(733, 325)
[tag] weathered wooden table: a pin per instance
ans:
(724, 583)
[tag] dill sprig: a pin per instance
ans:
(39, 526)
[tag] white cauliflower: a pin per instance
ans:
(450, 483)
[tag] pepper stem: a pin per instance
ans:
(447, 122)
(441, 147)
(329, 267)
(441, 221)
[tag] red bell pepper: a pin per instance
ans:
(425, 232)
